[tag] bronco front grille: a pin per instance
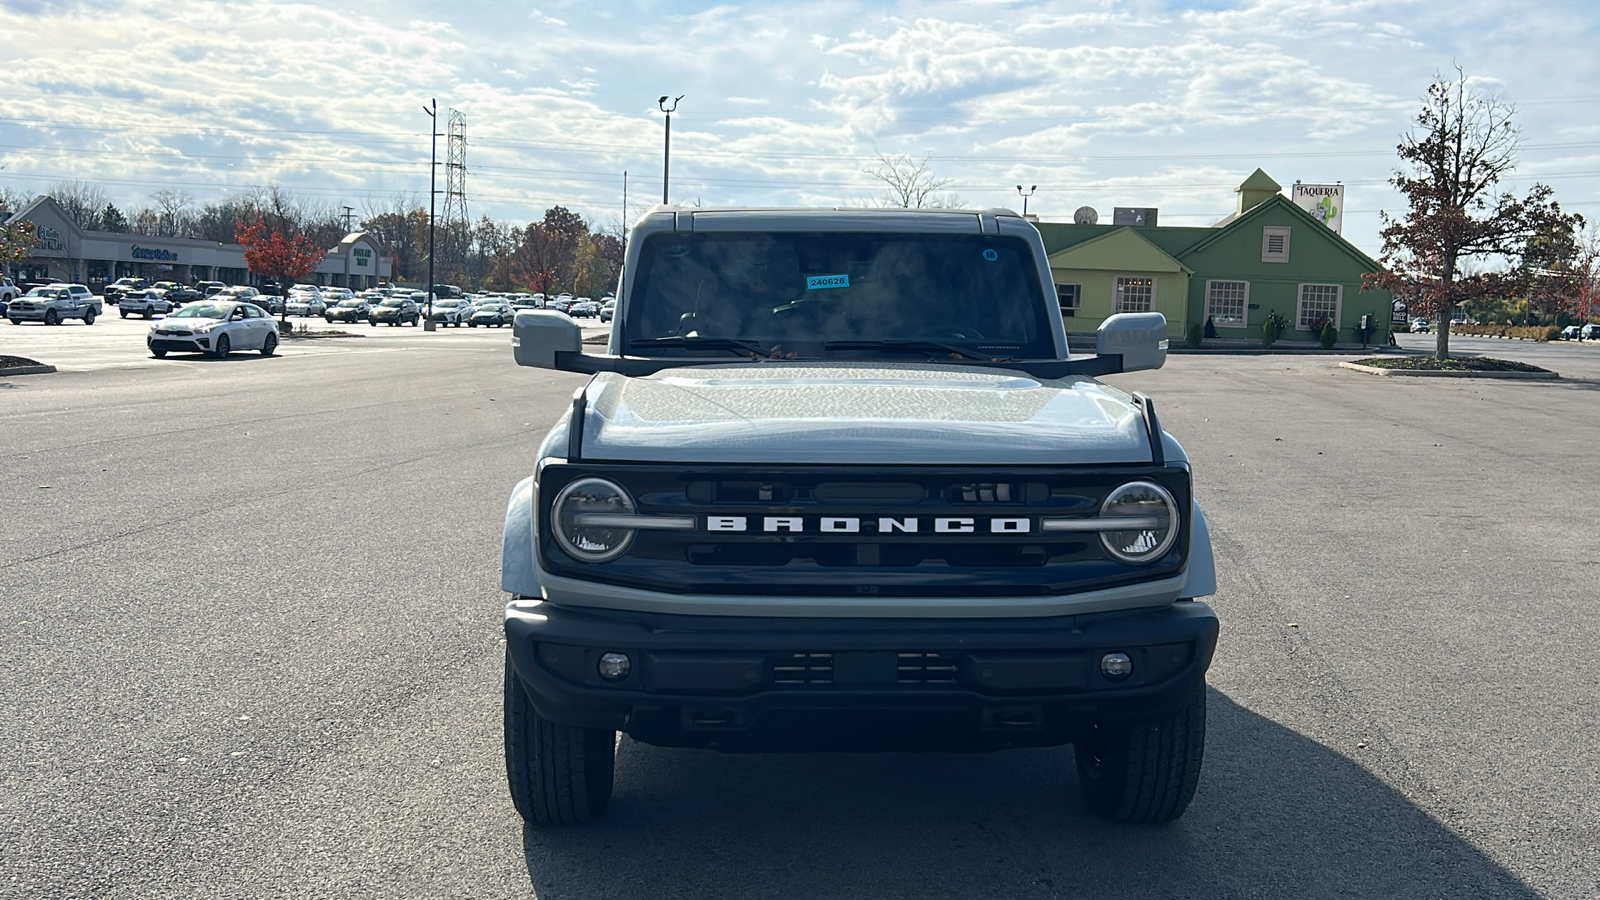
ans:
(910, 667)
(888, 531)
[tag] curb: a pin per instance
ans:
(28, 370)
(1441, 373)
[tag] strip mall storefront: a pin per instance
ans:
(95, 258)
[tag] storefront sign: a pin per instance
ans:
(363, 256)
(45, 238)
(154, 255)
(1325, 202)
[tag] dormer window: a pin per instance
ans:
(1275, 244)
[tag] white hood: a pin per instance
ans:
(806, 413)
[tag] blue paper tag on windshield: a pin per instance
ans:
(821, 282)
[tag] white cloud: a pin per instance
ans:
(1116, 103)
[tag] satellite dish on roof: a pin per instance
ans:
(1086, 216)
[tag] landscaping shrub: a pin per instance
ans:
(1329, 335)
(1273, 328)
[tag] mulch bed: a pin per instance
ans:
(11, 362)
(1453, 364)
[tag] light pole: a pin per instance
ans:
(433, 194)
(666, 156)
(1025, 196)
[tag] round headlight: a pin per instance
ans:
(1157, 529)
(587, 541)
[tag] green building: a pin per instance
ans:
(1269, 255)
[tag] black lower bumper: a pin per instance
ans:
(744, 683)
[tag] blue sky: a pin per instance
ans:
(1108, 103)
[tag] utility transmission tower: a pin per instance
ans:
(457, 223)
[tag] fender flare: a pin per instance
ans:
(519, 573)
(1201, 576)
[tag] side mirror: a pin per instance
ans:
(536, 336)
(1139, 338)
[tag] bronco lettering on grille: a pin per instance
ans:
(856, 525)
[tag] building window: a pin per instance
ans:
(1068, 296)
(1134, 295)
(1275, 244)
(1227, 302)
(1317, 303)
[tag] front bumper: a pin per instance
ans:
(745, 684)
(25, 315)
(180, 343)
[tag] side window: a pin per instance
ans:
(1069, 296)
(1134, 295)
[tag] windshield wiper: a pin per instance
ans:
(909, 346)
(750, 348)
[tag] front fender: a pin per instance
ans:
(518, 574)
(1201, 576)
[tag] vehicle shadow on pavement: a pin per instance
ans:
(1276, 815)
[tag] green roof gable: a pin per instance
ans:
(1124, 248)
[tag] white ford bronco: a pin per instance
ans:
(837, 484)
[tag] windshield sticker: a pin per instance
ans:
(822, 282)
(991, 255)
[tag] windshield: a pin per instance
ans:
(43, 292)
(806, 290)
(394, 301)
(204, 311)
(353, 302)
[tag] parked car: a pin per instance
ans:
(584, 308)
(608, 309)
(335, 295)
(215, 329)
(1570, 333)
(350, 309)
(52, 305)
(8, 291)
(1421, 326)
(395, 311)
(179, 294)
(450, 312)
(145, 302)
(1589, 332)
(492, 312)
(207, 288)
(114, 291)
(305, 303)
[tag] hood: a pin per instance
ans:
(854, 413)
(188, 323)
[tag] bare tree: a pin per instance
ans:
(171, 209)
(81, 200)
(910, 184)
(1461, 144)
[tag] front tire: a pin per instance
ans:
(123, 313)
(269, 344)
(88, 317)
(158, 354)
(558, 774)
(1145, 773)
(50, 317)
(224, 346)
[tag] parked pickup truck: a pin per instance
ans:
(836, 484)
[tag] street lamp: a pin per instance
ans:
(666, 156)
(1025, 195)
(433, 194)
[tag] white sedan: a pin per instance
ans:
(214, 328)
(145, 302)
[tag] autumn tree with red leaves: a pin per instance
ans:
(284, 257)
(1461, 146)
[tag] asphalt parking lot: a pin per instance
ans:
(251, 649)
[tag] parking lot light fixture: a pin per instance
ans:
(433, 196)
(666, 154)
(1025, 195)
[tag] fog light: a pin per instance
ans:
(616, 666)
(1116, 666)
